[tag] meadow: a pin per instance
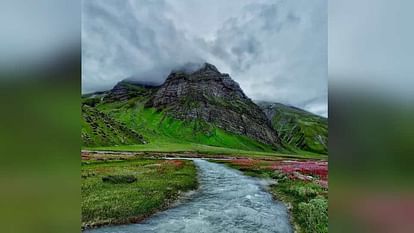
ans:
(128, 191)
(170, 146)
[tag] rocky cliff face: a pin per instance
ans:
(127, 89)
(214, 97)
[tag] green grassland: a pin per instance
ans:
(158, 126)
(200, 149)
(308, 202)
(158, 183)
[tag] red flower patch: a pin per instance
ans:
(307, 170)
(304, 170)
(175, 163)
(310, 168)
(246, 163)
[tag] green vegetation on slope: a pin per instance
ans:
(298, 128)
(100, 129)
(157, 126)
(126, 200)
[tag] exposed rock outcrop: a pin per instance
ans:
(127, 89)
(214, 97)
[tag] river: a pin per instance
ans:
(226, 202)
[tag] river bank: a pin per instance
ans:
(128, 191)
(301, 184)
(226, 201)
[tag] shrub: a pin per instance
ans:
(119, 179)
(91, 101)
(304, 191)
(314, 215)
(278, 175)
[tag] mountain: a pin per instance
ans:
(192, 107)
(298, 128)
(197, 106)
(215, 98)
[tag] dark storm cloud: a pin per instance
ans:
(276, 50)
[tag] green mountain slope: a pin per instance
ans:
(158, 126)
(298, 128)
(99, 129)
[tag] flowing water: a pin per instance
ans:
(227, 202)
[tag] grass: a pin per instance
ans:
(185, 147)
(309, 204)
(306, 200)
(100, 129)
(138, 188)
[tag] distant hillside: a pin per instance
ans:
(298, 128)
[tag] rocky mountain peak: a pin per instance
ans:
(209, 95)
(191, 68)
(208, 78)
(207, 67)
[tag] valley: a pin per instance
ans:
(199, 133)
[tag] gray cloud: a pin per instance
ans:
(34, 33)
(276, 50)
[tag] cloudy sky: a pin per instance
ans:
(275, 49)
